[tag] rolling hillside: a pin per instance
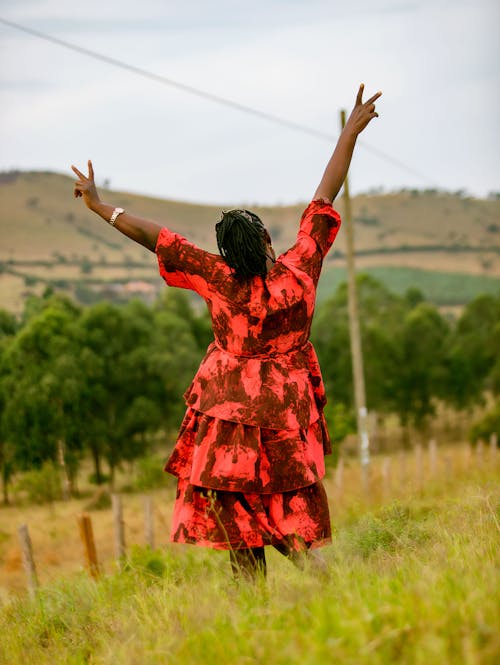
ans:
(50, 239)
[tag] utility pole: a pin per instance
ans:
(355, 337)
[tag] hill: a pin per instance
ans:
(50, 238)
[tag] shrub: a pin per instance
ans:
(489, 424)
(393, 527)
(149, 473)
(101, 500)
(41, 485)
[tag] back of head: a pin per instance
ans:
(241, 239)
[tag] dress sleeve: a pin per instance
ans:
(320, 222)
(182, 263)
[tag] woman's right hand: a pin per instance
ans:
(85, 187)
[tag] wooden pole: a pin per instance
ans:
(87, 537)
(493, 447)
(480, 453)
(339, 474)
(432, 457)
(149, 532)
(386, 476)
(28, 560)
(355, 336)
(66, 485)
(119, 527)
(419, 467)
(402, 468)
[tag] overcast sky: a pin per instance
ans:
(436, 61)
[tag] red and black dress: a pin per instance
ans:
(249, 457)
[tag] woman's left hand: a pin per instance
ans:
(85, 187)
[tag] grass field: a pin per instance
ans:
(413, 579)
(441, 288)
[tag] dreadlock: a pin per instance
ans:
(241, 242)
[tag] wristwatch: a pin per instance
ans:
(114, 216)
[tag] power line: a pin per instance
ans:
(209, 96)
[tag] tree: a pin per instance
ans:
(381, 314)
(137, 362)
(473, 354)
(40, 388)
(420, 369)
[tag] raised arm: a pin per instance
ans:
(337, 167)
(143, 231)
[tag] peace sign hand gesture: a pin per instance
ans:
(362, 112)
(86, 188)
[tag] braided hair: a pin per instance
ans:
(241, 239)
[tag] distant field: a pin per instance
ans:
(441, 288)
(446, 244)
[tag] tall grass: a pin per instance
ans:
(412, 580)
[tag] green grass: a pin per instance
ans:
(441, 288)
(414, 581)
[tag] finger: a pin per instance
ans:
(78, 173)
(359, 96)
(372, 99)
(91, 170)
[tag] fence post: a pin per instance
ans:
(87, 536)
(480, 453)
(386, 476)
(432, 457)
(28, 561)
(119, 527)
(149, 532)
(419, 470)
(450, 462)
(338, 474)
(493, 447)
(402, 468)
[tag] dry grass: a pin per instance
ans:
(58, 550)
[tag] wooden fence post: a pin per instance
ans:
(386, 476)
(28, 561)
(493, 447)
(339, 474)
(450, 462)
(149, 531)
(480, 452)
(87, 536)
(119, 527)
(432, 457)
(402, 468)
(419, 467)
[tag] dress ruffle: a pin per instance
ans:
(294, 520)
(224, 455)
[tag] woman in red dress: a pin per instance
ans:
(249, 457)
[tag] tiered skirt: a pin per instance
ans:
(242, 486)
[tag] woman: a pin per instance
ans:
(249, 457)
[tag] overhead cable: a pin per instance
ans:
(208, 95)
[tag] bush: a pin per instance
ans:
(101, 500)
(393, 527)
(149, 473)
(41, 485)
(489, 424)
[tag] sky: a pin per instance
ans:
(437, 63)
